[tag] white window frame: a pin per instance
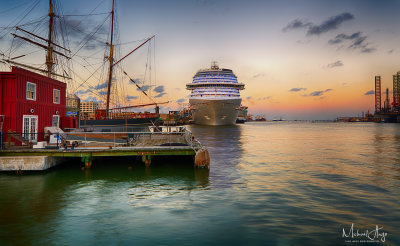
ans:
(34, 94)
(54, 96)
(31, 136)
(58, 120)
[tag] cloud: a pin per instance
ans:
(181, 100)
(137, 81)
(319, 93)
(263, 98)
(296, 24)
(259, 75)
(368, 50)
(297, 89)
(82, 91)
(85, 30)
(371, 92)
(161, 94)
(128, 98)
(328, 25)
(248, 98)
(144, 88)
(75, 27)
(390, 51)
(92, 99)
(84, 27)
(335, 64)
(159, 89)
(316, 93)
(357, 42)
(341, 37)
(101, 86)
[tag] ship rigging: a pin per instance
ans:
(60, 58)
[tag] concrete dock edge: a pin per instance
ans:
(28, 163)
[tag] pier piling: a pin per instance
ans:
(147, 159)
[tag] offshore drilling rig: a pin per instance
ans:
(390, 111)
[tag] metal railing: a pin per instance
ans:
(12, 140)
(157, 136)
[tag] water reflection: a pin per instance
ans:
(33, 204)
(332, 175)
(132, 169)
(269, 184)
(225, 145)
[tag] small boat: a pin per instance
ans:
(260, 118)
(242, 115)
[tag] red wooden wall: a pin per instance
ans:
(14, 103)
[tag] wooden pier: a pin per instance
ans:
(87, 150)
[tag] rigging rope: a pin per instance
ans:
(86, 14)
(88, 38)
(29, 11)
(138, 86)
(7, 10)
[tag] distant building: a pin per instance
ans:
(73, 101)
(396, 90)
(72, 105)
(29, 102)
(89, 107)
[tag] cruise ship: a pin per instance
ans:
(215, 97)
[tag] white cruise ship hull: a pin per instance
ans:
(215, 111)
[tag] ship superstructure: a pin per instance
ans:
(215, 96)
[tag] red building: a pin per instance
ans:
(29, 102)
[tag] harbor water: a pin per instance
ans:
(270, 183)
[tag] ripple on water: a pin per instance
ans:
(270, 183)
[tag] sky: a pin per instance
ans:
(298, 59)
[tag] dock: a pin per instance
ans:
(160, 141)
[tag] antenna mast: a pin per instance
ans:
(110, 60)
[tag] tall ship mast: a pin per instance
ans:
(112, 63)
(99, 82)
(104, 118)
(49, 46)
(215, 96)
(110, 60)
